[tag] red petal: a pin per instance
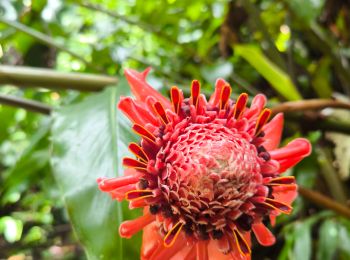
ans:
(176, 98)
(299, 147)
(273, 132)
(289, 163)
(225, 96)
(188, 252)
(262, 120)
(259, 101)
(138, 194)
(171, 236)
(215, 97)
(235, 254)
(202, 250)
(263, 234)
(195, 91)
(141, 89)
(136, 113)
(223, 244)
(138, 152)
(168, 252)
(285, 194)
(242, 245)
(130, 227)
(151, 240)
(269, 167)
(108, 184)
(159, 109)
(240, 105)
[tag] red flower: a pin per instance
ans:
(207, 173)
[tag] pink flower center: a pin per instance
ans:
(207, 166)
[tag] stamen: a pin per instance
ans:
(262, 120)
(132, 163)
(225, 96)
(281, 181)
(277, 205)
(138, 152)
(173, 233)
(130, 227)
(144, 133)
(240, 105)
(138, 194)
(195, 90)
(241, 243)
(159, 109)
(176, 98)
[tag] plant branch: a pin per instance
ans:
(46, 40)
(313, 121)
(324, 201)
(330, 175)
(30, 105)
(309, 104)
(30, 77)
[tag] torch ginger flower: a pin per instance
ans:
(206, 173)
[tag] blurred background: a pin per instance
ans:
(59, 130)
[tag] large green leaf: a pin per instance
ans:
(89, 140)
(329, 240)
(278, 79)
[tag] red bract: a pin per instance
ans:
(207, 173)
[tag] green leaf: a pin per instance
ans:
(302, 244)
(12, 228)
(89, 140)
(278, 79)
(328, 242)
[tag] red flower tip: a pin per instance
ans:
(207, 173)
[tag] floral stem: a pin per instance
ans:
(324, 201)
(316, 122)
(310, 104)
(30, 105)
(30, 77)
(330, 175)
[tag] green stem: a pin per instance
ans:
(330, 175)
(324, 201)
(313, 123)
(30, 105)
(30, 77)
(309, 104)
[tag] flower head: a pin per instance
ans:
(207, 173)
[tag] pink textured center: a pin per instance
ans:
(209, 164)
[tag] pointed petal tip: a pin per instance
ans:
(305, 144)
(141, 89)
(273, 132)
(134, 73)
(298, 148)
